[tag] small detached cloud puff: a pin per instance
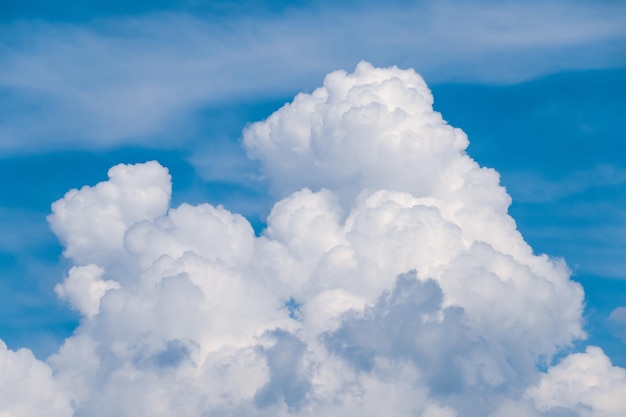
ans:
(390, 280)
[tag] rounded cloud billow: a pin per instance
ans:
(390, 281)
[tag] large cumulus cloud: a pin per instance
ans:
(390, 280)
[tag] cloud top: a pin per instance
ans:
(374, 128)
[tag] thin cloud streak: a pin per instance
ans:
(139, 80)
(533, 188)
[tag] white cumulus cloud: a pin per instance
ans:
(83, 288)
(91, 222)
(390, 280)
(584, 382)
(28, 386)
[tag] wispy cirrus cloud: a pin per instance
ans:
(533, 188)
(142, 79)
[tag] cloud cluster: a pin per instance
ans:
(390, 280)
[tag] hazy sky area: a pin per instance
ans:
(263, 208)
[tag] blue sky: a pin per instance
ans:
(539, 88)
